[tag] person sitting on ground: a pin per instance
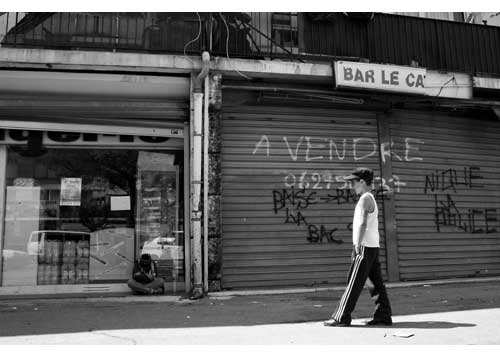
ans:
(144, 279)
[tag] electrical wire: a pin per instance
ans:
(227, 49)
(193, 40)
(444, 84)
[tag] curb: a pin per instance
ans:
(119, 299)
(341, 288)
(134, 299)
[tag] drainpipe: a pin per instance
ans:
(196, 178)
(205, 186)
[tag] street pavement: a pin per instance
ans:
(445, 314)
(462, 327)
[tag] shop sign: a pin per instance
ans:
(380, 77)
(20, 137)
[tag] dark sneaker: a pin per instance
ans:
(334, 323)
(379, 322)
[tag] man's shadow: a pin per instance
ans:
(431, 325)
(424, 325)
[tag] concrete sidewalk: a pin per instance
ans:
(462, 327)
(464, 313)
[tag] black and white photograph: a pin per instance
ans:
(206, 176)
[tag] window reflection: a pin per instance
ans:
(76, 216)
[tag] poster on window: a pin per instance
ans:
(71, 191)
(111, 254)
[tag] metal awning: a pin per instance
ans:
(94, 103)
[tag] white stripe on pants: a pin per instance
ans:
(345, 297)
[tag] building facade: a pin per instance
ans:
(217, 142)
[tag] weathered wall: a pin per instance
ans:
(214, 180)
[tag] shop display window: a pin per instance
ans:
(82, 216)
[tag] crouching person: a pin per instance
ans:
(144, 280)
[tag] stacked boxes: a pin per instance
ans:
(49, 262)
(69, 262)
(82, 261)
(64, 259)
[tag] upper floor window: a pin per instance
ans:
(284, 30)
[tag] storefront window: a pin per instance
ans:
(82, 216)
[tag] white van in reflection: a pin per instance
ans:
(163, 248)
(38, 239)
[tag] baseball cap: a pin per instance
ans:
(361, 173)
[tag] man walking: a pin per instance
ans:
(365, 262)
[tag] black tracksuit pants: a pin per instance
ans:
(364, 266)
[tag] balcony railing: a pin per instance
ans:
(247, 35)
(376, 37)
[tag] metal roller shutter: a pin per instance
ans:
(285, 209)
(94, 115)
(447, 214)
